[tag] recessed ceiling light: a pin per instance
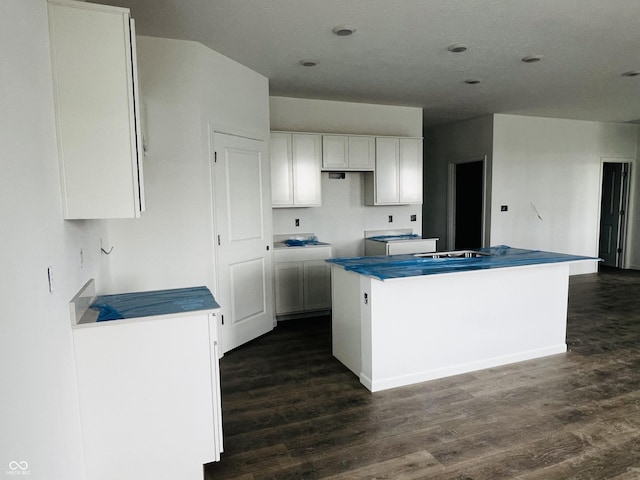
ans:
(457, 48)
(631, 73)
(308, 63)
(343, 30)
(532, 58)
(472, 81)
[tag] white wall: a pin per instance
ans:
(552, 166)
(39, 417)
(343, 217)
(184, 87)
(633, 233)
(548, 172)
(324, 116)
(462, 141)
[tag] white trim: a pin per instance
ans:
(426, 375)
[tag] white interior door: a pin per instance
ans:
(244, 260)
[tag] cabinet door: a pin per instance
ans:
(317, 285)
(334, 152)
(289, 287)
(410, 170)
(307, 158)
(281, 170)
(362, 153)
(93, 64)
(387, 179)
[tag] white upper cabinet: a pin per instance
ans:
(410, 170)
(281, 169)
(398, 174)
(343, 152)
(362, 153)
(96, 104)
(295, 169)
(335, 152)
(387, 176)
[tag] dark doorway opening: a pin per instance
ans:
(469, 200)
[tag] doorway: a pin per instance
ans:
(467, 203)
(614, 194)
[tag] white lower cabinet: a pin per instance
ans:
(149, 393)
(302, 280)
(317, 285)
(289, 287)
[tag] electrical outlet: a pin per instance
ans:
(390, 218)
(414, 218)
(504, 208)
(297, 222)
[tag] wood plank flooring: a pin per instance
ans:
(292, 411)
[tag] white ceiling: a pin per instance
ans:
(399, 55)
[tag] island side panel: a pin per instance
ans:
(433, 326)
(345, 317)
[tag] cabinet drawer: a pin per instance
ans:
(301, 254)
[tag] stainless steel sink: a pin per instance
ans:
(453, 254)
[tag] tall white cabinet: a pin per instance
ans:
(296, 159)
(96, 103)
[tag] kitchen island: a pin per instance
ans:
(403, 319)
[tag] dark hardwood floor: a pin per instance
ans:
(292, 411)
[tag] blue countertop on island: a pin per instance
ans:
(411, 265)
(153, 303)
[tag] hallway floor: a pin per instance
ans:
(292, 411)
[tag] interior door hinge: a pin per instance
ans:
(215, 157)
(219, 240)
(222, 317)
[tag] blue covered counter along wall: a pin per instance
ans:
(156, 302)
(403, 319)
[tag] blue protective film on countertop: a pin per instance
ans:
(157, 302)
(410, 265)
(391, 238)
(295, 242)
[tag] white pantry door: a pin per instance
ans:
(244, 261)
